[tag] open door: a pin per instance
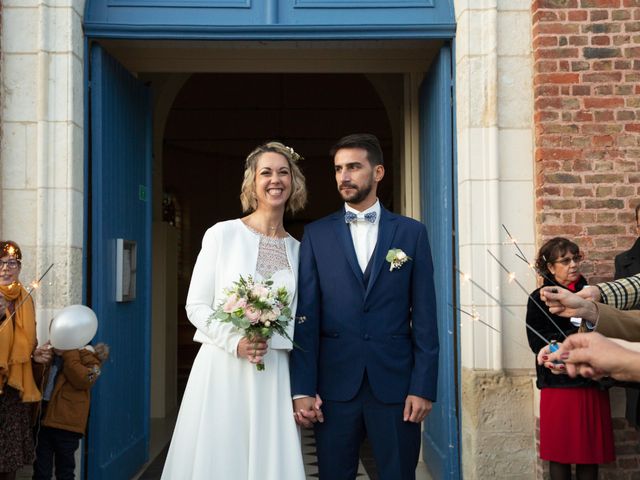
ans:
(119, 180)
(440, 439)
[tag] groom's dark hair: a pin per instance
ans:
(366, 141)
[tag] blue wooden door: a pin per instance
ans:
(440, 439)
(119, 173)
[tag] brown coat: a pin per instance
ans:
(68, 408)
(614, 323)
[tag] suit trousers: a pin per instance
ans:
(59, 447)
(395, 443)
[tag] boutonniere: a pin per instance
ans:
(396, 258)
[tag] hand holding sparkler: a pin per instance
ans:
(544, 357)
(567, 304)
(592, 355)
(590, 292)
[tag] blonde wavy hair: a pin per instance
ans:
(298, 198)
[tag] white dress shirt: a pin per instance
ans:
(364, 234)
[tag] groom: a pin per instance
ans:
(365, 324)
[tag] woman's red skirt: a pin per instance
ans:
(575, 426)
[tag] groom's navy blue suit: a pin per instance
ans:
(366, 341)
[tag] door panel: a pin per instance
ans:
(440, 438)
(120, 207)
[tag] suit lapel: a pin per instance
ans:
(342, 230)
(386, 232)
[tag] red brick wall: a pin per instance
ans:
(587, 123)
(587, 145)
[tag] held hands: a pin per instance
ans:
(416, 409)
(306, 411)
(253, 350)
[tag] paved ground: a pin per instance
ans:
(162, 431)
(365, 472)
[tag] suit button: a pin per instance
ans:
(366, 336)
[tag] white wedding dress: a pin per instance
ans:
(236, 423)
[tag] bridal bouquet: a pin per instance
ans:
(256, 308)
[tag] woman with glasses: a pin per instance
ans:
(18, 389)
(575, 416)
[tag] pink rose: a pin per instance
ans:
(252, 314)
(230, 305)
(260, 291)
(233, 303)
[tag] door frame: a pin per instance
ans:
(411, 161)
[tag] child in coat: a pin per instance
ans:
(65, 410)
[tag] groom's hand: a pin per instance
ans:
(416, 408)
(306, 411)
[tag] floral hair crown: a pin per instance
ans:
(294, 155)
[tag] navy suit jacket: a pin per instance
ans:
(345, 327)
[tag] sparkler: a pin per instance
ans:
(32, 286)
(512, 278)
(520, 254)
(488, 294)
(476, 318)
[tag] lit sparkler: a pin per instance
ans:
(488, 294)
(476, 318)
(512, 277)
(32, 286)
(520, 254)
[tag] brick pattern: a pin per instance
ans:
(587, 124)
(587, 145)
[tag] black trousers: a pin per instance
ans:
(56, 446)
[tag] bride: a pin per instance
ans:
(235, 422)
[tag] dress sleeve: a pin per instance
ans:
(200, 299)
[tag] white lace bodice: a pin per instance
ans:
(272, 255)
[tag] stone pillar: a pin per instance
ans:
(42, 145)
(495, 186)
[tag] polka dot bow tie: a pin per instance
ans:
(350, 217)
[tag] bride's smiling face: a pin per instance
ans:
(273, 180)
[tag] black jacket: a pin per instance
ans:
(539, 321)
(628, 263)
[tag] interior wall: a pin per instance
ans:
(217, 119)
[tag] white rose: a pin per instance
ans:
(401, 255)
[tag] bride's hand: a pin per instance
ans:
(252, 349)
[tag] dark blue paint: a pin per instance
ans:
(440, 439)
(269, 19)
(120, 160)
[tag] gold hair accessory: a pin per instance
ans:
(295, 156)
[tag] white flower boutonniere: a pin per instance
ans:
(396, 258)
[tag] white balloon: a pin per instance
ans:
(73, 327)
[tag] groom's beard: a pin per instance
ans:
(359, 195)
